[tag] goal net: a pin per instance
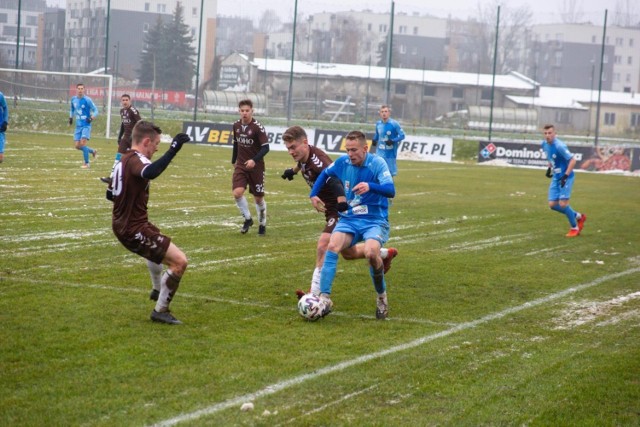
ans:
(45, 91)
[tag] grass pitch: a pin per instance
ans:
(495, 317)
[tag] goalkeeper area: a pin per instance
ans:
(52, 91)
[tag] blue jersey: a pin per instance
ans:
(559, 156)
(374, 170)
(81, 109)
(4, 110)
(389, 131)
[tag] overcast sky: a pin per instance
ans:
(543, 10)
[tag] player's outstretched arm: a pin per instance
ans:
(156, 168)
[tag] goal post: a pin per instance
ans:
(49, 90)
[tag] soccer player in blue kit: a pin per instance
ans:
(84, 110)
(560, 170)
(387, 138)
(4, 121)
(367, 184)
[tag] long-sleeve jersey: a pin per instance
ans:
(375, 172)
(82, 109)
(4, 109)
(558, 156)
(388, 131)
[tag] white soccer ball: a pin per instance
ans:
(310, 307)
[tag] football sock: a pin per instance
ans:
(155, 271)
(85, 153)
(568, 212)
(328, 272)
(384, 252)
(261, 209)
(169, 286)
(377, 276)
(315, 281)
(242, 204)
(115, 163)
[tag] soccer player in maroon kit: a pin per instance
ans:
(129, 190)
(250, 145)
(311, 160)
(129, 116)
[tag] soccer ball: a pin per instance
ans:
(310, 307)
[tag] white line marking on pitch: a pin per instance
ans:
(335, 402)
(274, 388)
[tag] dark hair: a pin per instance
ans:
(125, 94)
(79, 84)
(356, 135)
(293, 134)
(245, 102)
(144, 129)
(549, 127)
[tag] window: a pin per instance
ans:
(3, 18)
(403, 49)
(414, 50)
(402, 29)
(32, 20)
(593, 39)
(617, 59)
(457, 93)
(635, 120)
(605, 58)
(610, 119)
(145, 27)
(429, 91)
(162, 8)
(382, 28)
(619, 41)
(628, 78)
(415, 31)
(194, 11)
(147, 6)
(486, 94)
(630, 60)
(630, 42)
(369, 26)
(457, 106)
(401, 89)
(558, 56)
(616, 77)
(563, 117)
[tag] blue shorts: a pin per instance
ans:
(364, 229)
(391, 163)
(556, 193)
(83, 132)
(2, 140)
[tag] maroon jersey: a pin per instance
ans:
(248, 140)
(129, 116)
(131, 194)
(318, 161)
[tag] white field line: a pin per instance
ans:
(332, 403)
(186, 295)
(274, 388)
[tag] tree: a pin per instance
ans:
(179, 52)
(513, 23)
(570, 13)
(169, 59)
(269, 22)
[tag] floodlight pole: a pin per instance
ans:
(18, 35)
(293, 57)
(604, 35)
(389, 55)
(493, 81)
(195, 106)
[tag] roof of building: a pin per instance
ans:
(504, 81)
(557, 97)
